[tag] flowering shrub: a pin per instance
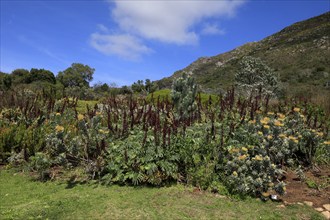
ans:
(250, 170)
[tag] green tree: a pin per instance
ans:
(183, 95)
(42, 75)
(138, 86)
(150, 87)
(78, 75)
(254, 76)
(125, 90)
(5, 81)
(20, 76)
(101, 88)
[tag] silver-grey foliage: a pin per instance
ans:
(183, 95)
(256, 77)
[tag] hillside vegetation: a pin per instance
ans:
(299, 55)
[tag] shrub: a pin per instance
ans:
(41, 164)
(249, 171)
(131, 161)
(255, 77)
(183, 96)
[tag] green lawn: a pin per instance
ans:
(23, 198)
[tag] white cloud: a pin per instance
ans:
(122, 45)
(169, 21)
(212, 29)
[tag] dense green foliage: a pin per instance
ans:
(71, 82)
(77, 75)
(228, 144)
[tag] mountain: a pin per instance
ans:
(299, 54)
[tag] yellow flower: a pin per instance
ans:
(259, 132)
(296, 109)
(292, 138)
(103, 131)
(299, 136)
(235, 173)
(278, 123)
(80, 117)
(266, 126)
(233, 150)
(270, 113)
(58, 114)
(281, 116)
(252, 121)
(320, 134)
(258, 157)
(265, 194)
(265, 120)
(269, 137)
(244, 149)
(281, 119)
(270, 184)
(242, 157)
(59, 128)
(282, 135)
(326, 142)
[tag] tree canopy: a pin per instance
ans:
(42, 75)
(77, 75)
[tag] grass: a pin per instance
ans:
(82, 105)
(163, 93)
(23, 198)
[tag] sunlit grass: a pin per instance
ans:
(23, 198)
(163, 93)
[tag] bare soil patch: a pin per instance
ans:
(315, 188)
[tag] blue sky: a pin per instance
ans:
(127, 40)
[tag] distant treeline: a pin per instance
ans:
(73, 81)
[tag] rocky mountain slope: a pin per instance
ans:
(299, 54)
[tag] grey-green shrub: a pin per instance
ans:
(183, 95)
(254, 77)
